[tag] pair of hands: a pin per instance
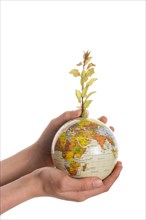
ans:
(55, 182)
(30, 173)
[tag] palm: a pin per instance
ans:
(64, 187)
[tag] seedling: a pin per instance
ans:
(86, 81)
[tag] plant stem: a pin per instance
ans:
(82, 101)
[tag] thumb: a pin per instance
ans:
(66, 116)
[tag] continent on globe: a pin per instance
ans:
(85, 147)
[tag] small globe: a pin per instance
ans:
(85, 148)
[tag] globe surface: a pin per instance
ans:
(84, 148)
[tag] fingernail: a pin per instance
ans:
(97, 183)
(119, 163)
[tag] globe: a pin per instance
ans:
(85, 147)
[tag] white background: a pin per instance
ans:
(41, 43)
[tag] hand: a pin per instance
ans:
(52, 182)
(45, 141)
(55, 183)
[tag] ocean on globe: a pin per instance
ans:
(84, 148)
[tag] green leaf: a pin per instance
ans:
(90, 72)
(87, 61)
(75, 72)
(84, 92)
(87, 103)
(78, 95)
(91, 82)
(87, 96)
(90, 65)
(79, 64)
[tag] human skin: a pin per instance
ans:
(30, 173)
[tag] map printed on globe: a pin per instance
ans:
(85, 147)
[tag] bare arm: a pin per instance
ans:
(21, 164)
(16, 192)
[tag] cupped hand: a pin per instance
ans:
(45, 141)
(55, 183)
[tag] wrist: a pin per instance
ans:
(36, 184)
(40, 182)
(30, 183)
(17, 192)
(42, 153)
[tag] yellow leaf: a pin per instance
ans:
(75, 72)
(83, 80)
(90, 72)
(91, 82)
(84, 92)
(87, 61)
(78, 95)
(86, 55)
(87, 96)
(90, 65)
(83, 73)
(87, 103)
(79, 64)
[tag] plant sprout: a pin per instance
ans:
(86, 81)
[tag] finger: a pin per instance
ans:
(108, 182)
(56, 123)
(74, 196)
(103, 119)
(88, 189)
(66, 116)
(112, 128)
(85, 184)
